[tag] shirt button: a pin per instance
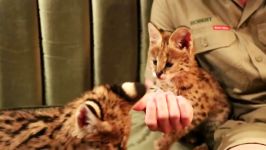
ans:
(258, 58)
(204, 42)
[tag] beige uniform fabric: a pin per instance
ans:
(230, 42)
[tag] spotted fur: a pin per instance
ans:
(175, 69)
(98, 119)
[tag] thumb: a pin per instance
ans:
(149, 83)
(141, 104)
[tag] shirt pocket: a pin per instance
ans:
(218, 51)
(261, 29)
(207, 39)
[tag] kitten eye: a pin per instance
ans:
(154, 62)
(95, 107)
(168, 65)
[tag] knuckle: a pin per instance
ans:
(169, 93)
(171, 99)
(180, 97)
(152, 127)
(160, 97)
(149, 106)
(151, 95)
(150, 123)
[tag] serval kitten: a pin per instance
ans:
(98, 120)
(173, 63)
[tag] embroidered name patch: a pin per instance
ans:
(221, 27)
(201, 20)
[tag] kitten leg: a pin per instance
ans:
(166, 141)
(123, 145)
(214, 120)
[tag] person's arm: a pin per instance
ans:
(161, 15)
(164, 111)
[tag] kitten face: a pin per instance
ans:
(105, 112)
(170, 52)
(99, 119)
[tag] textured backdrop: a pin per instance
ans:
(53, 50)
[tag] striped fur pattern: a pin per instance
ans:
(99, 119)
(173, 63)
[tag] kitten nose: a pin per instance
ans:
(158, 74)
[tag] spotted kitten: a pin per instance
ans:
(98, 120)
(173, 63)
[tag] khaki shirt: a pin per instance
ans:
(230, 40)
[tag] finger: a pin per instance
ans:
(141, 104)
(174, 114)
(162, 113)
(186, 111)
(151, 115)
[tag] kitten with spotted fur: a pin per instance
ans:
(98, 120)
(172, 61)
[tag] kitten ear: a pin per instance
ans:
(85, 117)
(131, 91)
(88, 118)
(154, 34)
(181, 38)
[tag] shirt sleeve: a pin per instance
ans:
(161, 15)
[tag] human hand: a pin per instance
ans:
(165, 111)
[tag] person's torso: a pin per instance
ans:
(230, 41)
